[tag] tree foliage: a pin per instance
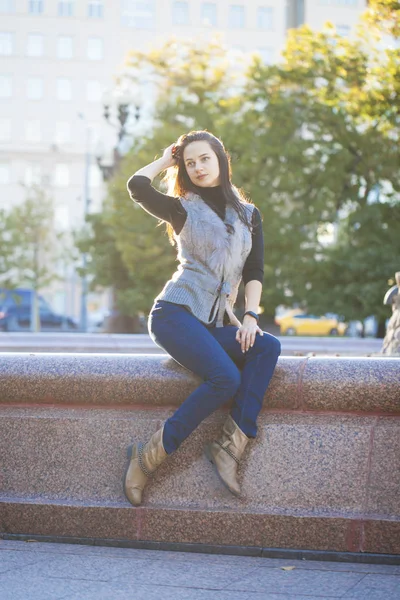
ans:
(384, 16)
(327, 131)
(314, 143)
(29, 249)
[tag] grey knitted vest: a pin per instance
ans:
(211, 256)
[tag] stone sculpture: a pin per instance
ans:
(391, 342)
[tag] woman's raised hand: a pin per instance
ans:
(158, 166)
(168, 159)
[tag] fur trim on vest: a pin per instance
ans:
(212, 254)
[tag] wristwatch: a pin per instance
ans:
(252, 314)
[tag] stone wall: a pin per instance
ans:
(323, 473)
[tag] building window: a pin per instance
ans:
(96, 9)
(343, 30)
(35, 7)
(180, 13)
(62, 132)
(64, 89)
(5, 86)
(7, 6)
(64, 47)
(34, 88)
(95, 48)
(5, 130)
(32, 131)
(209, 14)
(4, 173)
(6, 43)
(94, 91)
(265, 18)
(236, 16)
(61, 175)
(140, 15)
(65, 9)
(294, 13)
(266, 54)
(33, 175)
(34, 46)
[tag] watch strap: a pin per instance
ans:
(252, 314)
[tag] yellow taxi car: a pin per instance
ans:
(299, 323)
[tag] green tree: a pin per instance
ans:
(354, 272)
(5, 251)
(311, 139)
(384, 17)
(326, 125)
(31, 248)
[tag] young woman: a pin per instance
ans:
(220, 241)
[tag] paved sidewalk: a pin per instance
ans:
(46, 571)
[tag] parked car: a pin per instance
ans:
(283, 313)
(15, 313)
(305, 324)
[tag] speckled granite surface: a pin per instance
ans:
(357, 384)
(336, 384)
(333, 533)
(296, 462)
(318, 475)
(301, 468)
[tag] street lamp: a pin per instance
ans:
(118, 107)
(125, 104)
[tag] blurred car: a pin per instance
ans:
(287, 313)
(15, 313)
(305, 324)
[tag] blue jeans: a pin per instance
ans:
(215, 355)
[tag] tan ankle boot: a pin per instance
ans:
(225, 454)
(143, 461)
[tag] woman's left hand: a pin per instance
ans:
(246, 334)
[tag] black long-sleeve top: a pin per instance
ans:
(170, 209)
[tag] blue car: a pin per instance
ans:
(15, 313)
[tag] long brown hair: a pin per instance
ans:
(179, 183)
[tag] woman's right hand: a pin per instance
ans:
(158, 166)
(168, 159)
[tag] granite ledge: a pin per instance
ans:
(315, 384)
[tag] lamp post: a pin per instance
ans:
(124, 103)
(86, 202)
(118, 107)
